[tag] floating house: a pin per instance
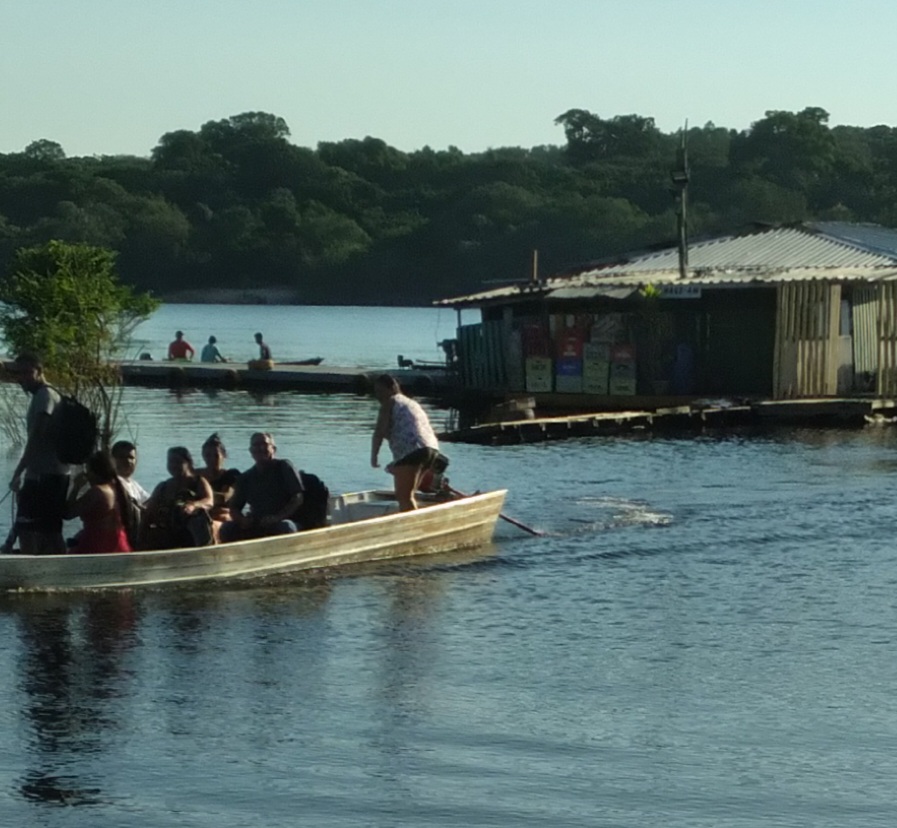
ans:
(774, 312)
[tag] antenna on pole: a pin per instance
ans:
(679, 177)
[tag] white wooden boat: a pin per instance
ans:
(365, 526)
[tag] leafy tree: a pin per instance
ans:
(65, 302)
(45, 150)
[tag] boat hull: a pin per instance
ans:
(440, 527)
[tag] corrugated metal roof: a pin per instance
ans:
(782, 247)
(872, 237)
(827, 250)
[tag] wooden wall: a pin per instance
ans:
(807, 329)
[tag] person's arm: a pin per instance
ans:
(205, 500)
(286, 513)
(36, 436)
(76, 496)
(381, 431)
(153, 503)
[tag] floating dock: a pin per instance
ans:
(285, 377)
(825, 412)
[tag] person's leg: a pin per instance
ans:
(50, 543)
(230, 532)
(28, 542)
(283, 527)
(406, 478)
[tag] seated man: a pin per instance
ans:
(273, 491)
(124, 456)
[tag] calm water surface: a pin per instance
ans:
(706, 637)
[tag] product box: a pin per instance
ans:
(539, 374)
(568, 375)
(594, 376)
(622, 387)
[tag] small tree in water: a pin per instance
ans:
(64, 301)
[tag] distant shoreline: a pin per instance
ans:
(257, 296)
(232, 296)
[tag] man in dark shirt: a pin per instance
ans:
(273, 491)
(40, 479)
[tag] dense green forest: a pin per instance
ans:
(235, 204)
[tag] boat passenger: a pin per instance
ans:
(101, 507)
(40, 479)
(124, 456)
(221, 480)
(210, 352)
(405, 425)
(271, 488)
(177, 512)
(180, 348)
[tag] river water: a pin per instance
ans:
(705, 637)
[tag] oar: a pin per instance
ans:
(505, 517)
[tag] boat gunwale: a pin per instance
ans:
(139, 565)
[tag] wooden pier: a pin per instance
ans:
(309, 378)
(823, 412)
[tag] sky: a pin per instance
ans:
(110, 77)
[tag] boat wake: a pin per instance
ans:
(616, 513)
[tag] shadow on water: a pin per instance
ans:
(71, 666)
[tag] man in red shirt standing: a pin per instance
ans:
(180, 347)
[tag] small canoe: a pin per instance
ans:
(365, 526)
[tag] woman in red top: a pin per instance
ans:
(100, 507)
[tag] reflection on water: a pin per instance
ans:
(71, 666)
(681, 649)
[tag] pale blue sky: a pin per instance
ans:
(106, 77)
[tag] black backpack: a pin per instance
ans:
(312, 514)
(76, 429)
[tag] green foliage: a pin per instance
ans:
(64, 302)
(234, 203)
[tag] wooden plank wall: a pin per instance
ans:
(887, 340)
(807, 329)
(481, 353)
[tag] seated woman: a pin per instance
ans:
(101, 507)
(177, 512)
(221, 480)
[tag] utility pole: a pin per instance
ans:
(679, 177)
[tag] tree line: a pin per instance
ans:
(235, 204)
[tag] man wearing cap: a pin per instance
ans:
(273, 491)
(40, 479)
(180, 347)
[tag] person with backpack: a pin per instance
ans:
(40, 479)
(278, 502)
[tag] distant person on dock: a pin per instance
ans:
(264, 350)
(273, 491)
(210, 352)
(405, 425)
(180, 347)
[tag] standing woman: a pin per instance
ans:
(177, 511)
(101, 507)
(405, 425)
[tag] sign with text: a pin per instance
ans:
(680, 291)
